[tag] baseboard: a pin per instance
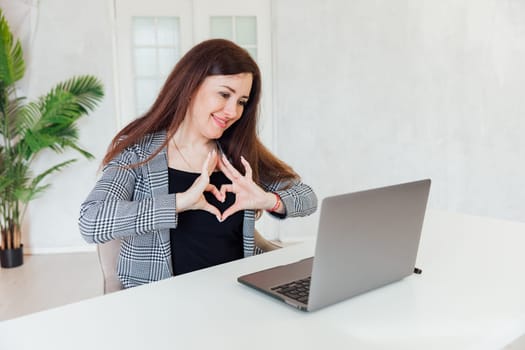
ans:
(60, 250)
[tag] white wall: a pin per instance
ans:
(378, 92)
(373, 92)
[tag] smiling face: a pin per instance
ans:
(218, 103)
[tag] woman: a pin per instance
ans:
(182, 185)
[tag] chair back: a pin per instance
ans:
(108, 257)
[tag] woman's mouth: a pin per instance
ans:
(221, 122)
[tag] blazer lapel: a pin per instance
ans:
(158, 178)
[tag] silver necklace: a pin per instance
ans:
(182, 155)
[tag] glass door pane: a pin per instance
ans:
(156, 50)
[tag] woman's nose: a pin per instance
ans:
(231, 107)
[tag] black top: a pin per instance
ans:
(200, 240)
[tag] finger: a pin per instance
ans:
(213, 162)
(200, 184)
(230, 211)
(205, 165)
(247, 167)
(213, 210)
(220, 196)
(224, 169)
(226, 188)
(234, 173)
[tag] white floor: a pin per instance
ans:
(48, 281)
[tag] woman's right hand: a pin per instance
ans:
(193, 198)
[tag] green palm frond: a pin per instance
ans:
(58, 108)
(87, 90)
(28, 117)
(51, 122)
(12, 66)
(5, 182)
(2, 160)
(17, 175)
(82, 151)
(11, 118)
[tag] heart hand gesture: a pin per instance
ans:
(193, 198)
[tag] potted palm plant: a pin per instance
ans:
(27, 129)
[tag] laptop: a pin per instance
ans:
(365, 240)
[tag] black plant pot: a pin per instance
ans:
(12, 257)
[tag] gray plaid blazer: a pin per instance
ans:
(133, 204)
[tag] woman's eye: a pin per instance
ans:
(224, 94)
(243, 103)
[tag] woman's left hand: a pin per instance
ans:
(248, 195)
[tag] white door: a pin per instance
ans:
(150, 37)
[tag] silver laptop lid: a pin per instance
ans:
(365, 240)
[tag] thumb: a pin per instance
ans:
(220, 197)
(214, 211)
(230, 211)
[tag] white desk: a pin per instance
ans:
(471, 295)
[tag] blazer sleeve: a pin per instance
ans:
(121, 204)
(298, 198)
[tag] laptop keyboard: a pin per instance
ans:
(297, 290)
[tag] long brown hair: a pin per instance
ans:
(210, 57)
